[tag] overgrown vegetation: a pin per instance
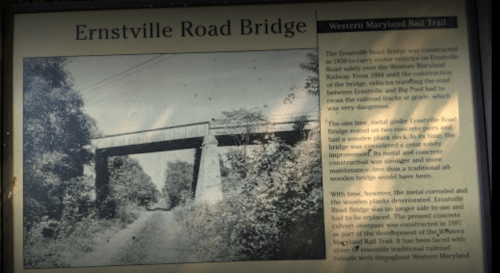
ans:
(59, 200)
(275, 212)
(178, 182)
(129, 183)
(54, 134)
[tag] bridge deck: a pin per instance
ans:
(187, 131)
(193, 131)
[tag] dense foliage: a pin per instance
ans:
(276, 211)
(55, 131)
(130, 185)
(178, 182)
(59, 200)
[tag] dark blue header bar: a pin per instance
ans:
(387, 24)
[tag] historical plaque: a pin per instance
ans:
(319, 137)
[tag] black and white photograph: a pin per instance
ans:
(172, 158)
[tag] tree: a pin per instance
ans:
(178, 182)
(299, 124)
(55, 131)
(241, 124)
(312, 83)
(53, 117)
(129, 183)
(282, 200)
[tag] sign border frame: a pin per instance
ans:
(480, 59)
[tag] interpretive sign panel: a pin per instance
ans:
(322, 137)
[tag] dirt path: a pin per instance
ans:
(153, 238)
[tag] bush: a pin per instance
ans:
(52, 243)
(178, 182)
(128, 213)
(277, 213)
(79, 199)
(212, 229)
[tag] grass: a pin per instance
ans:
(70, 242)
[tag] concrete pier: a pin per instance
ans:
(209, 185)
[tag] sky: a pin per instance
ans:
(127, 93)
